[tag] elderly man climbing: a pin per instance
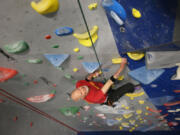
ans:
(99, 93)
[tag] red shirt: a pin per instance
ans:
(95, 95)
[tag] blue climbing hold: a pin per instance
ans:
(115, 10)
(56, 59)
(63, 31)
(90, 67)
(159, 101)
(146, 76)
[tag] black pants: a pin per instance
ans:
(115, 95)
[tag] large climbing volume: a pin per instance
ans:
(6, 74)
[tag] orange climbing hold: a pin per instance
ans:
(155, 111)
(6, 74)
(172, 103)
(177, 91)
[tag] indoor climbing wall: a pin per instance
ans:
(48, 49)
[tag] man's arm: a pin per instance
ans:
(93, 75)
(109, 83)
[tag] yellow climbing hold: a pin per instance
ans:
(120, 128)
(84, 38)
(132, 95)
(122, 105)
(140, 118)
(146, 113)
(125, 124)
(92, 6)
(127, 116)
(119, 119)
(116, 60)
(136, 13)
(131, 98)
(141, 102)
(121, 78)
(76, 50)
(130, 130)
(127, 108)
(86, 35)
(45, 6)
(136, 125)
(138, 111)
(147, 107)
(75, 69)
(135, 55)
(132, 122)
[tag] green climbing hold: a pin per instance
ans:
(69, 111)
(34, 61)
(60, 68)
(55, 46)
(26, 84)
(53, 91)
(80, 57)
(17, 47)
(74, 81)
(68, 76)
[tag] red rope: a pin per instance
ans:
(25, 104)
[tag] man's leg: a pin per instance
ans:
(115, 95)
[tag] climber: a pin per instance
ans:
(99, 93)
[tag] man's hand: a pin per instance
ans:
(94, 75)
(123, 63)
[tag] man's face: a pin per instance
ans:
(82, 91)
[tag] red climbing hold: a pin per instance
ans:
(35, 81)
(6, 73)
(177, 91)
(155, 111)
(15, 118)
(1, 100)
(171, 124)
(48, 37)
(172, 103)
(31, 124)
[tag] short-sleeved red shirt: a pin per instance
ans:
(95, 95)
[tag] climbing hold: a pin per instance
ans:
(35, 81)
(63, 31)
(15, 118)
(144, 75)
(41, 98)
(116, 11)
(79, 57)
(90, 67)
(6, 74)
(55, 46)
(120, 128)
(116, 60)
(17, 47)
(136, 125)
(54, 85)
(119, 119)
(68, 76)
(132, 95)
(125, 124)
(31, 124)
(60, 68)
(146, 113)
(176, 91)
(48, 37)
(75, 69)
(127, 107)
(138, 111)
(132, 122)
(136, 13)
(121, 78)
(26, 84)
(141, 102)
(86, 107)
(122, 105)
(92, 6)
(172, 103)
(155, 111)
(135, 55)
(34, 61)
(74, 81)
(127, 116)
(111, 122)
(84, 38)
(45, 6)
(147, 107)
(101, 115)
(69, 111)
(56, 59)
(173, 124)
(76, 49)
(2, 101)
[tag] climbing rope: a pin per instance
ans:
(91, 39)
